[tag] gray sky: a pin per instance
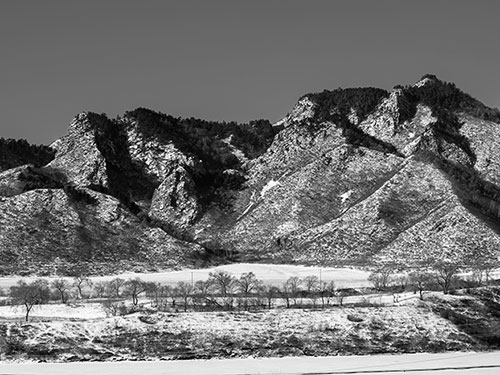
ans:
(228, 60)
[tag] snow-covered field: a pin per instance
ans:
(274, 274)
(56, 311)
(423, 364)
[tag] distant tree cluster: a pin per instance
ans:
(435, 273)
(14, 153)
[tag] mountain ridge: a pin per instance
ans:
(343, 177)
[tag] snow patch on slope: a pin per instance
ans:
(267, 187)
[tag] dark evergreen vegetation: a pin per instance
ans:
(127, 179)
(363, 100)
(14, 153)
(50, 178)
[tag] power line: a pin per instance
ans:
(386, 371)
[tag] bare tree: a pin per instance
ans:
(134, 288)
(223, 283)
(286, 293)
(482, 266)
(185, 291)
(312, 287)
(27, 295)
(330, 291)
(269, 292)
(203, 292)
(79, 283)
(293, 283)
(165, 291)
(153, 292)
(402, 280)
(421, 280)
(246, 285)
(324, 291)
(43, 289)
(341, 294)
(115, 286)
(61, 286)
(446, 272)
(100, 289)
(114, 308)
(381, 277)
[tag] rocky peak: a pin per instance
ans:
(303, 110)
(426, 79)
(78, 155)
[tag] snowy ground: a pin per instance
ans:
(56, 311)
(422, 364)
(82, 310)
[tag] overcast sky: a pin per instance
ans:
(229, 60)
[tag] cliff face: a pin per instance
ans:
(347, 177)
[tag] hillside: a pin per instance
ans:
(349, 176)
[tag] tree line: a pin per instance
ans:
(223, 291)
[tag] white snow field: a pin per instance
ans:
(83, 311)
(274, 274)
(454, 363)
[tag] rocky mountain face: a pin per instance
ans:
(348, 177)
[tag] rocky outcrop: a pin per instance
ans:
(303, 110)
(174, 201)
(78, 155)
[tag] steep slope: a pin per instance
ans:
(413, 215)
(47, 231)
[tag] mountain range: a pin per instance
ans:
(349, 177)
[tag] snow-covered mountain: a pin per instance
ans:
(349, 176)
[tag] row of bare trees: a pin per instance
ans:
(220, 290)
(438, 274)
(223, 291)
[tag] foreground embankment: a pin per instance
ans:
(434, 325)
(464, 363)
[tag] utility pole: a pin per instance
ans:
(320, 276)
(192, 279)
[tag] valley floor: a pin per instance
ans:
(365, 325)
(274, 274)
